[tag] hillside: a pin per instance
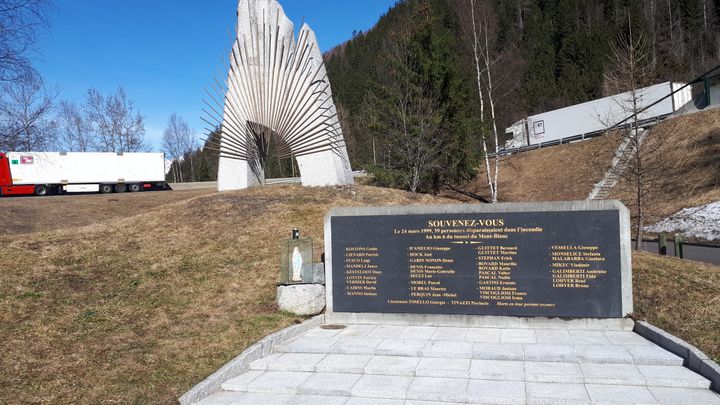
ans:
(548, 54)
(28, 215)
(686, 152)
(141, 308)
(560, 173)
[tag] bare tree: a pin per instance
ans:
(74, 131)
(118, 126)
(25, 106)
(178, 142)
(632, 69)
(484, 34)
(20, 21)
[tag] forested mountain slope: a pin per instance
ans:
(545, 54)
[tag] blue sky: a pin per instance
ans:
(163, 52)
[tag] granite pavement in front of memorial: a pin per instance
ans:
(414, 365)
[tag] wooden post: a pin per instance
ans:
(678, 246)
(662, 244)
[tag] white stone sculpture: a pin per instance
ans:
(277, 91)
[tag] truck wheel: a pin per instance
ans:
(106, 188)
(120, 188)
(134, 188)
(41, 190)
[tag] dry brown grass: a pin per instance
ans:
(139, 309)
(681, 297)
(687, 150)
(34, 214)
(559, 173)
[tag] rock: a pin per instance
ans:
(301, 299)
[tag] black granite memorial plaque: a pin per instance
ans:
(551, 264)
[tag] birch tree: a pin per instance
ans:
(75, 133)
(484, 30)
(119, 127)
(25, 107)
(20, 22)
(179, 144)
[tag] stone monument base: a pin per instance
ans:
(301, 299)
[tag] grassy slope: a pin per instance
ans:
(687, 151)
(559, 173)
(29, 214)
(681, 297)
(140, 309)
(689, 156)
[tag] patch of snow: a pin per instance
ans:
(699, 222)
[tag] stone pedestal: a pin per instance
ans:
(301, 299)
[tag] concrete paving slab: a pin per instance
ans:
(619, 394)
(247, 398)
(449, 333)
(316, 400)
(410, 365)
(382, 386)
(329, 384)
(392, 365)
(549, 352)
(448, 348)
(495, 392)
(222, 398)
(240, 382)
(295, 362)
(483, 335)
(357, 330)
(654, 355)
(553, 337)
(443, 367)
(309, 344)
(319, 332)
(374, 401)
(417, 332)
(678, 396)
(626, 338)
(278, 382)
(387, 331)
(498, 351)
(517, 336)
(672, 376)
(355, 345)
(552, 372)
(343, 363)
(401, 347)
(557, 393)
(620, 374)
(588, 337)
(437, 389)
(262, 364)
(592, 353)
(504, 370)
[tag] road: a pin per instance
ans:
(704, 254)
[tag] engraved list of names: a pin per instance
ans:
(564, 264)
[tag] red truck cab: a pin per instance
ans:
(6, 181)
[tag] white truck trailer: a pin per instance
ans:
(593, 117)
(43, 173)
